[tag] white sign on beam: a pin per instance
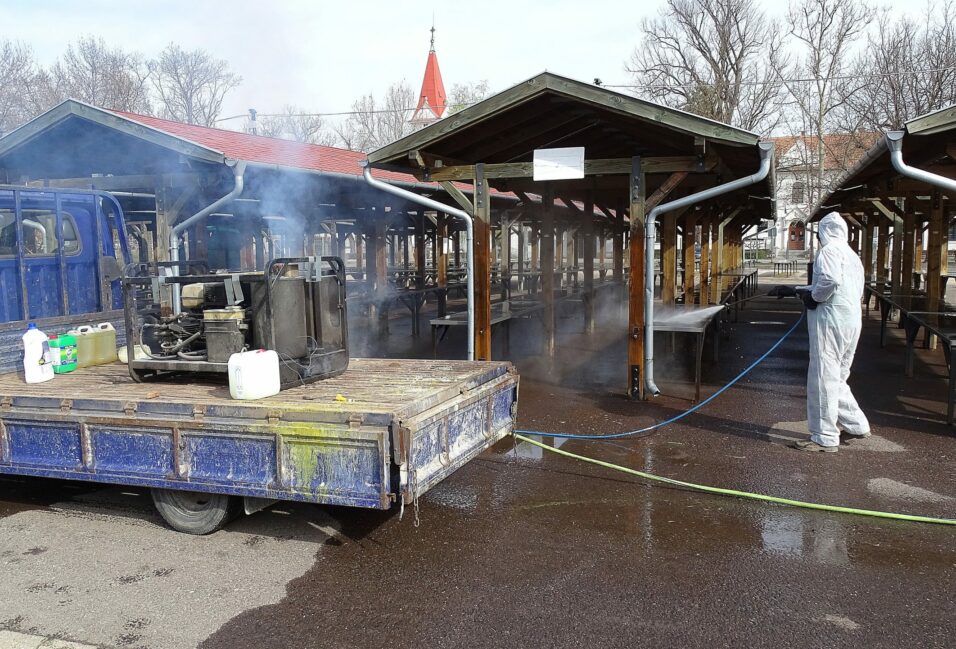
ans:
(559, 164)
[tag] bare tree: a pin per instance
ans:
(463, 95)
(17, 68)
(91, 71)
(910, 68)
(190, 85)
(821, 78)
(298, 125)
(375, 123)
(714, 58)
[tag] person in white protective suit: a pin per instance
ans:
(834, 320)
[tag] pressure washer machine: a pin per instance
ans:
(182, 318)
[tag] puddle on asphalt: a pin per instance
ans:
(527, 451)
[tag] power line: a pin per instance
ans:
(780, 82)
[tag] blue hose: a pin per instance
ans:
(676, 418)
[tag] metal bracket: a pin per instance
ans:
(355, 420)
(480, 197)
(233, 290)
(66, 405)
(273, 416)
(199, 411)
(6, 403)
(129, 408)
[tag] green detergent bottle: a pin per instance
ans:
(63, 348)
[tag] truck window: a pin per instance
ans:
(39, 234)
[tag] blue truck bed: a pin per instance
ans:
(383, 432)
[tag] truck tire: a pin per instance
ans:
(193, 512)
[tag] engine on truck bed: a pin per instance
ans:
(182, 318)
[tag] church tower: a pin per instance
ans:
(431, 100)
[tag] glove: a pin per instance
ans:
(782, 291)
(807, 297)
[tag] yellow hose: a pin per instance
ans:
(742, 494)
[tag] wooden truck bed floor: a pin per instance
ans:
(385, 429)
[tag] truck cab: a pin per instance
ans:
(61, 257)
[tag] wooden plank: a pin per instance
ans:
(635, 302)
(482, 266)
(610, 166)
(459, 197)
(666, 188)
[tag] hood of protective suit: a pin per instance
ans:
(832, 228)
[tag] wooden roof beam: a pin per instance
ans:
(622, 166)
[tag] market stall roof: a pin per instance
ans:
(929, 143)
(549, 111)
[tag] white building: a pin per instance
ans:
(798, 187)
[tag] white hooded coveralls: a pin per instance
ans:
(834, 328)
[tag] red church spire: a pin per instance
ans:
(431, 100)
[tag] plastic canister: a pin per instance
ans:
(64, 353)
(105, 343)
(37, 356)
(254, 374)
(85, 345)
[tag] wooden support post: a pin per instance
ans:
(547, 267)
(441, 263)
(882, 243)
(359, 257)
(588, 252)
(705, 260)
(936, 252)
(522, 278)
(618, 246)
(505, 258)
(602, 255)
(868, 250)
(690, 254)
(896, 263)
(535, 263)
(559, 263)
(164, 218)
(635, 302)
(669, 258)
(420, 251)
(909, 230)
(482, 266)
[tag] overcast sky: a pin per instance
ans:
(323, 55)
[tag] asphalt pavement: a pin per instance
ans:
(525, 548)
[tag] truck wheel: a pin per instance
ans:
(193, 512)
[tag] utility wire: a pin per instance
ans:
(780, 82)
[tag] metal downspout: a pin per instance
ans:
(894, 142)
(766, 158)
(238, 172)
(469, 235)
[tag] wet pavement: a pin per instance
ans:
(525, 548)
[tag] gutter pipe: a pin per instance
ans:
(766, 158)
(894, 142)
(238, 172)
(469, 235)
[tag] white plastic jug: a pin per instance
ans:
(254, 374)
(85, 345)
(105, 343)
(37, 358)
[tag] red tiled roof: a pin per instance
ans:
(267, 150)
(841, 150)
